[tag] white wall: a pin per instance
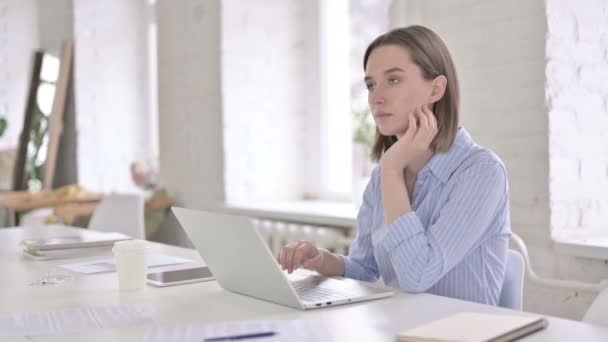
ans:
(25, 26)
(270, 91)
(577, 101)
(577, 97)
(112, 91)
(190, 106)
(499, 48)
(18, 40)
(55, 24)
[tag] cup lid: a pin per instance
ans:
(130, 246)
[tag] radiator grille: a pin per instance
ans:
(279, 233)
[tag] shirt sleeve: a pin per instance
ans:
(360, 262)
(420, 256)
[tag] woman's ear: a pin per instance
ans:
(439, 84)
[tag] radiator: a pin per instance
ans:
(279, 233)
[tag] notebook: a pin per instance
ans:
(67, 253)
(85, 238)
(474, 327)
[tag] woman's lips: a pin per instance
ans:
(382, 115)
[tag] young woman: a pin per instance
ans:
(435, 214)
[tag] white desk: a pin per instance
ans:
(377, 320)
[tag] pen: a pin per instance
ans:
(240, 337)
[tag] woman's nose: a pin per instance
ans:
(376, 97)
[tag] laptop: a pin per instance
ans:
(241, 262)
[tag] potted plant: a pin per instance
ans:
(3, 125)
(6, 159)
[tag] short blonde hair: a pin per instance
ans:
(430, 53)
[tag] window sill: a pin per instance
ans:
(324, 213)
(344, 215)
(585, 246)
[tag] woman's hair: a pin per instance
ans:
(429, 52)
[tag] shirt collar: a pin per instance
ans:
(442, 165)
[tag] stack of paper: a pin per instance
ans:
(75, 320)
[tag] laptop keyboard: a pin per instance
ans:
(313, 293)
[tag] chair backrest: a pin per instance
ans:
(511, 294)
(120, 213)
(598, 311)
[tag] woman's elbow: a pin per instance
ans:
(370, 276)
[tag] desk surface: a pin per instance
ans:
(377, 320)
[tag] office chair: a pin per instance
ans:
(120, 213)
(511, 294)
(598, 311)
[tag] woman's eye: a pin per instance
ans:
(393, 81)
(369, 86)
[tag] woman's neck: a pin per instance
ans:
(419, 163)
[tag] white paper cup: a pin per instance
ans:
(130, 258)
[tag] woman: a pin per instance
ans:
(435, 214)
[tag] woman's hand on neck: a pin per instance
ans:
(418, 163)
(412, 150)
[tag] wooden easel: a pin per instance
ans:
(56, 124)
(55, 119)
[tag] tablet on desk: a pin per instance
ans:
(176, 277)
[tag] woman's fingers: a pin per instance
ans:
(412, 127)
(294, 255)
(431, 118)
(286, 255)
(282, 257)
(424, 120)
(428, 125)
(290, 257)
(298, 255)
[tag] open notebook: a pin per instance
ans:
(474, 327)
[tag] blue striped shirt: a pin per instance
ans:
(454, 241)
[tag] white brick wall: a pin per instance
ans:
(112, 91)
(576, 93)
(18, 40)
(270, 93)
(577, 70)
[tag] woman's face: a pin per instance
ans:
(395, 88)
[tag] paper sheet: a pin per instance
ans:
(74, 320)
(285, 330)
(108, 265)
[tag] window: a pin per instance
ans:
(298, 90)
(336, 147)
(346, 28)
